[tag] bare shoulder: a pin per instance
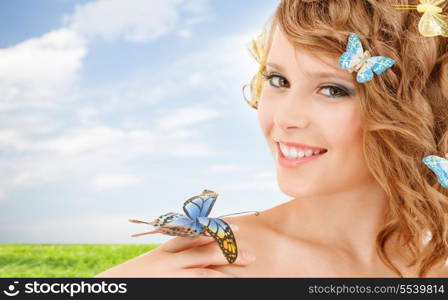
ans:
(246, 220)
(254, 223)
(253, 237)
(249, 227)
(441, 272)
(276, 255)
(444, 271)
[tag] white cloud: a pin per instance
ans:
(12, 140)
(133, 20)
(89, 146)
(186, 116)
(33, 123)
(82, 140)
(217, 70)
(86, 113)
(111, 180)
(39, 71)
(227, 168)
(220, 68)
(265, 180)
(95, 141)
(197, 6)
(186, 34)
(167, 133)
(99, 152)
(42, 70)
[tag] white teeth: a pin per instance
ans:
(284, 149)
(294, 153)
(308, 152)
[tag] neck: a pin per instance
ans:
(348, 221)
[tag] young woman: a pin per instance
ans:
(349, 153)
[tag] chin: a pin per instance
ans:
(298, 190)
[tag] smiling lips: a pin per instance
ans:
(291, 154)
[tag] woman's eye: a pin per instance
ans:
(330, 91)
(333, 92)
(276, 81)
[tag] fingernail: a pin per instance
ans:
(248, 256)
(234, 227)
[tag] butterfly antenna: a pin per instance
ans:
(140, 222)
(404, 6)
(146, 233)
(244, 212)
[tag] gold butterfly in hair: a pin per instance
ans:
(257, 50)
(433, 22)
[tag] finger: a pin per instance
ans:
(209, 255)
(204, 272)
(197, 272)
(178, 244)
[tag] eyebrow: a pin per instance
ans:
(275, 66)
(318, 74)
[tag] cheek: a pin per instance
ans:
(343, 133)
(265, 115)
(343, 128)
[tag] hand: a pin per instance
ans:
(179, 257)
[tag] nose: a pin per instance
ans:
(292, 113)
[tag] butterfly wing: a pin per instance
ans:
(173, 224)
(380, 63)
(433, 24)
(354, 44)
(432, 2)
(256, 48)
(181, 225)
(377, 64)
(223, 234)
(364, 74)
(353, 54)
(439, 166)
(200, 205)
(442, 21)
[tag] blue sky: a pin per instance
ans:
(114, 109)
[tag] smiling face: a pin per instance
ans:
(309, 100)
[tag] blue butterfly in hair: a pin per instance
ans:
(439, 166)
(355, 59)
(196, 222)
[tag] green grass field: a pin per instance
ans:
(64, 260)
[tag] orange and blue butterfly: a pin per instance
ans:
(196, 222)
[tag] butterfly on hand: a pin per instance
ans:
(355, 59)
(432, 22)
(196, 222)
(439, 166)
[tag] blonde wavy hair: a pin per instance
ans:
(404, 110)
